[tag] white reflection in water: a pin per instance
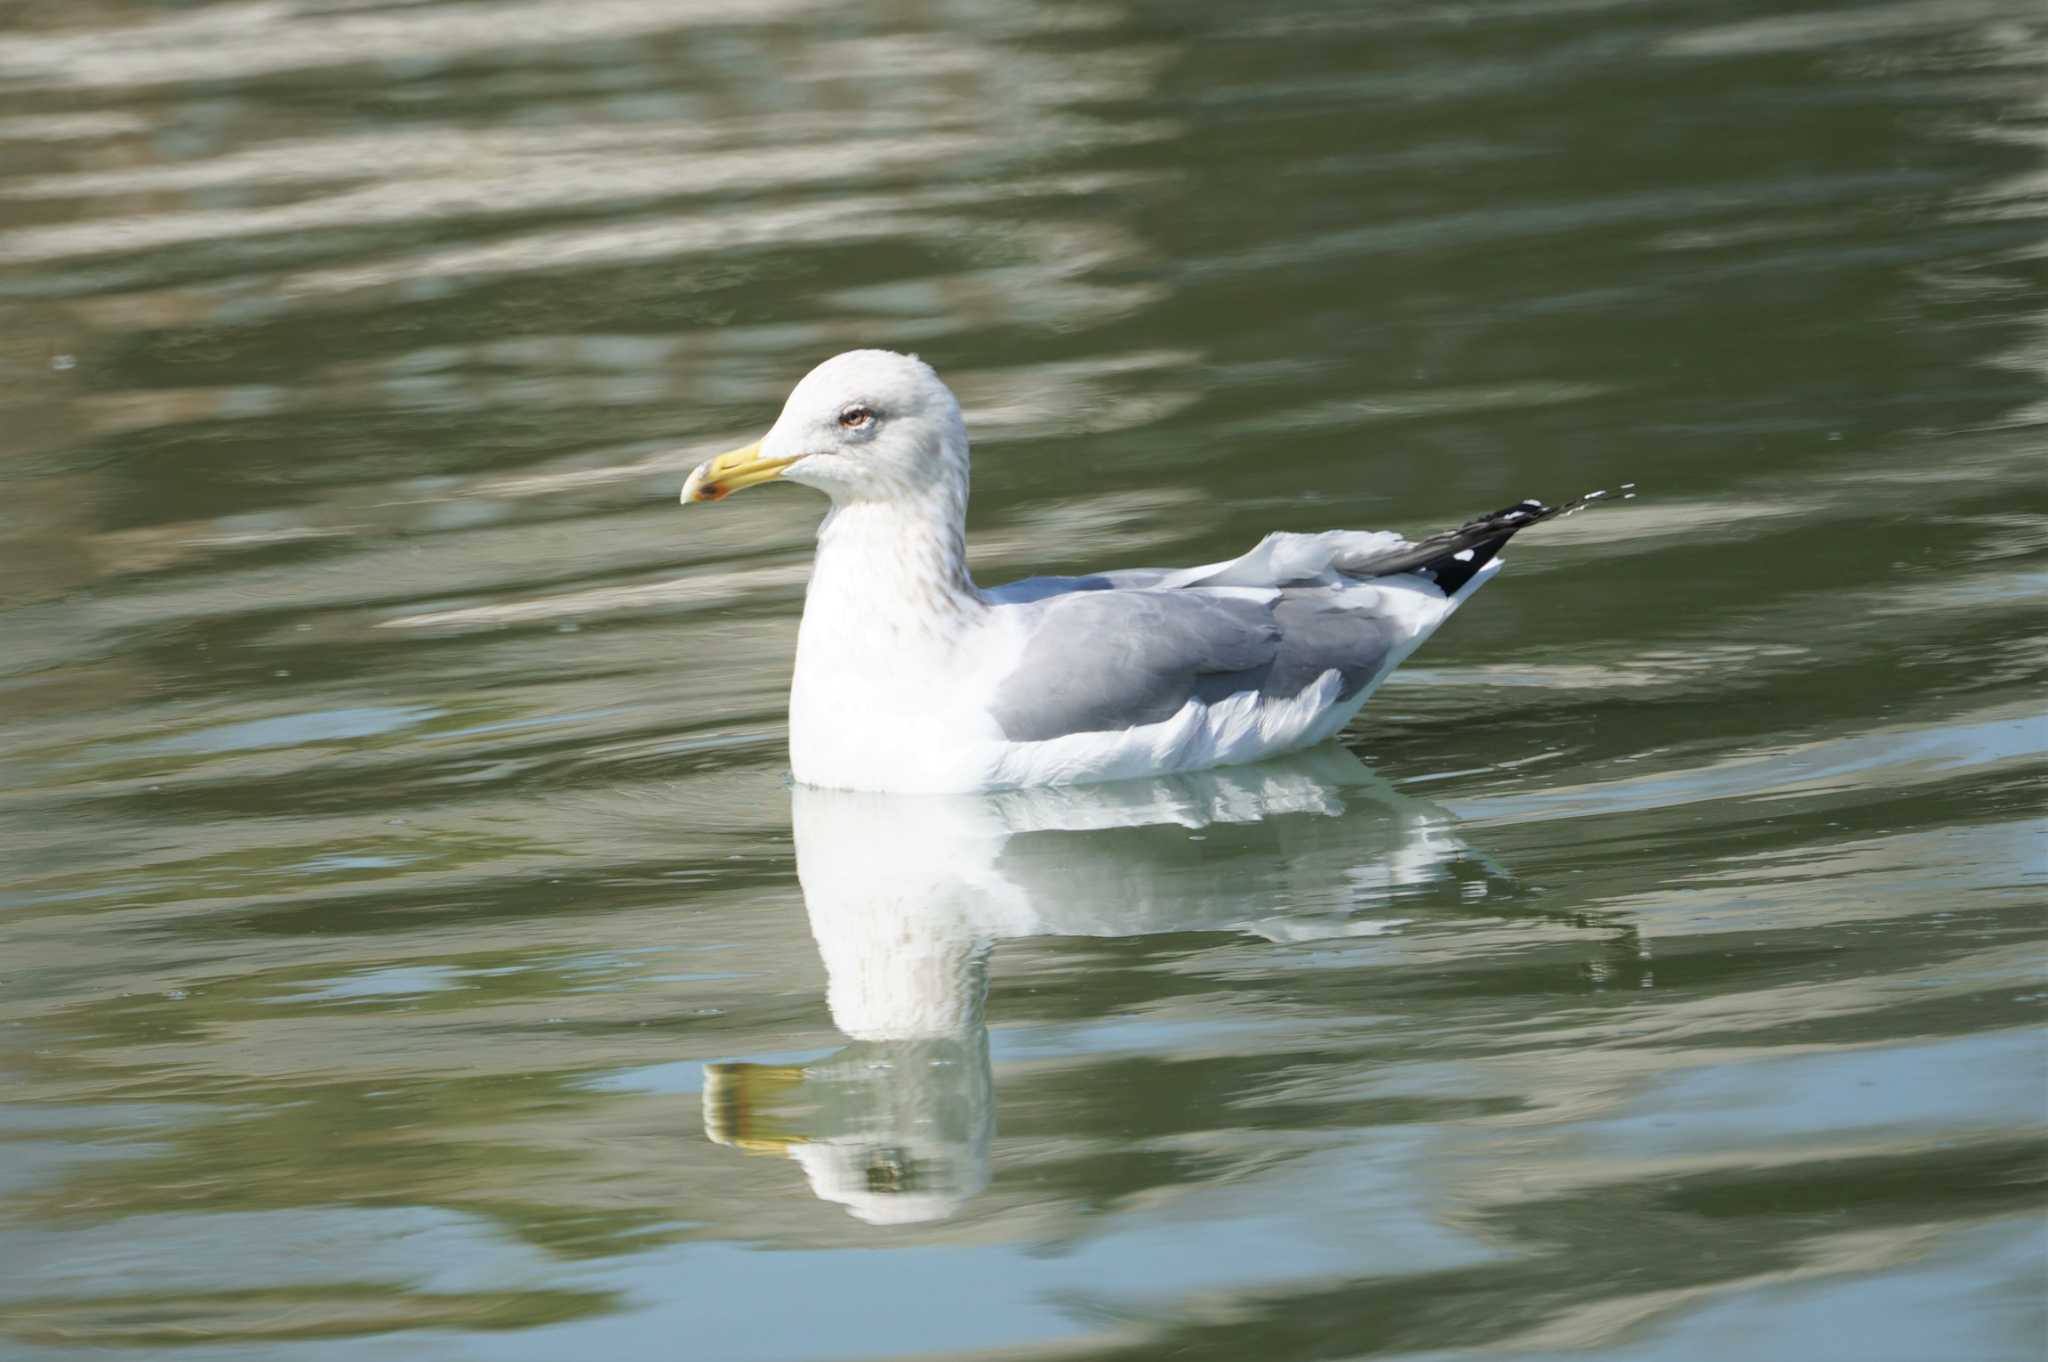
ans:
(908, 896)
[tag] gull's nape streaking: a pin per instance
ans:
(911, 678)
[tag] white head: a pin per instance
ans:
(865, 425)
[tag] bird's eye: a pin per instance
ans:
(856, 416)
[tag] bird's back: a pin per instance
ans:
(1146, 671)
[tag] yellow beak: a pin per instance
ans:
(728, 473)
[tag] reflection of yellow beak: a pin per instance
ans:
(739, 1101)
(728, 473)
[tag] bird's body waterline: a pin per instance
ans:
(910, 678)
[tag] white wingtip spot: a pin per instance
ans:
(1463, 555)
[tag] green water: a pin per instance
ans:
(402, 947)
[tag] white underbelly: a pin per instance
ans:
(834, 746)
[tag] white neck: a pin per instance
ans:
(893, 575)
(887, 631)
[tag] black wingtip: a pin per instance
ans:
(1453, 558)
(1482, 537)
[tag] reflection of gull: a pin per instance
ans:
(910, 678)
(908, 894)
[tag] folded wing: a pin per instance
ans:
(1114, 651)
(1109, 660)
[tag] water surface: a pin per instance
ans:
(410, 944)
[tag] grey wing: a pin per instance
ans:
(1278, 560)
(1109, 660)
(1448, 560)
(1030, 589)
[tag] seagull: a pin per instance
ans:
(911, 679)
